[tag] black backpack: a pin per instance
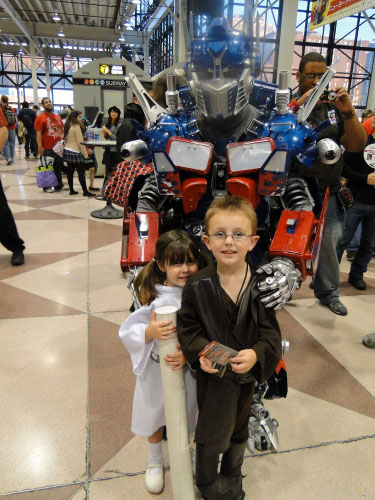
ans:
(27, 120)
(9, 115)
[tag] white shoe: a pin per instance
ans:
(50, 190)
(154, 482)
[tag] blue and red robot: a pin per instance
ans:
(228, 133)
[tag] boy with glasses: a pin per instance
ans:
(221, 303)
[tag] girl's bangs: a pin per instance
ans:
(178, 253)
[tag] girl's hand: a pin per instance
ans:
(206, 365)
(244, 361)
(161, 330)
(177, 359)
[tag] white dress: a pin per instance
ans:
(148, 406)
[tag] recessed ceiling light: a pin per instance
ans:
(56, 17)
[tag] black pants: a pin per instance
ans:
(8, 230)
(80, 167)
(31, 143)
(57, 167)
(226, 485)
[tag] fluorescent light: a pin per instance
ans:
(56, 17)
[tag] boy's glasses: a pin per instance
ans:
(312, 76)
(237, 236)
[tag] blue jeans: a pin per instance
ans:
(354, 242)
(327, 277)
(359, 212)
(8, 150)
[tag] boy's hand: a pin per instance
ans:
(206, 365)
(161, 330)
(177, 359)
(244, 361)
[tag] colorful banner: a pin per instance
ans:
(328, 11)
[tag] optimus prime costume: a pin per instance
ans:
(234, 135)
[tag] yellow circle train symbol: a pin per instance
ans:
(104, 69)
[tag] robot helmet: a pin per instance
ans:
(220, 70)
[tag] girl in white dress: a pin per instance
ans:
(159, 284)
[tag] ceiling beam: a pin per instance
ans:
(24, 28)
(78, 32)
(49, 51)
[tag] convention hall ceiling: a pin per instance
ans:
(85, 28)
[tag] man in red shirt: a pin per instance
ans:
(8, 231)
(3, 130)
(49, 130)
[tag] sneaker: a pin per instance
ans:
(50, 190)
(9, 162)
(369, 340)
(350, 254)
(358, 283)
(336, 306)
(154, 478)
(65, 188)
(27, 157)
(18, 258)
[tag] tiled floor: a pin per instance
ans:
(66, 380)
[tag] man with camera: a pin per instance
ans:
(346, 130)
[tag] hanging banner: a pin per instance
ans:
(328, 11)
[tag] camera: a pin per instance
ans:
(328, 95)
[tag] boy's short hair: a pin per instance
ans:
(231, 204)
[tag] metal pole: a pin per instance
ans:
(175, 415)
(33, 71)
(287, 38)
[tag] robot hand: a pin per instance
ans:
(281, 278)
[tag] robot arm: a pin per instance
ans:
(279, 279)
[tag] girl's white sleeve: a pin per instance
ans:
(132, 334)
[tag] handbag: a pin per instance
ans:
(45, 175)
(120, 182)
(58, 148)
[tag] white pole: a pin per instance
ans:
(175, 414)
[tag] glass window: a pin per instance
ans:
(347, 44)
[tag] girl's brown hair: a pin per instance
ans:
(174, 247)
(71, 120)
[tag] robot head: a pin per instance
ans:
(220, 70)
